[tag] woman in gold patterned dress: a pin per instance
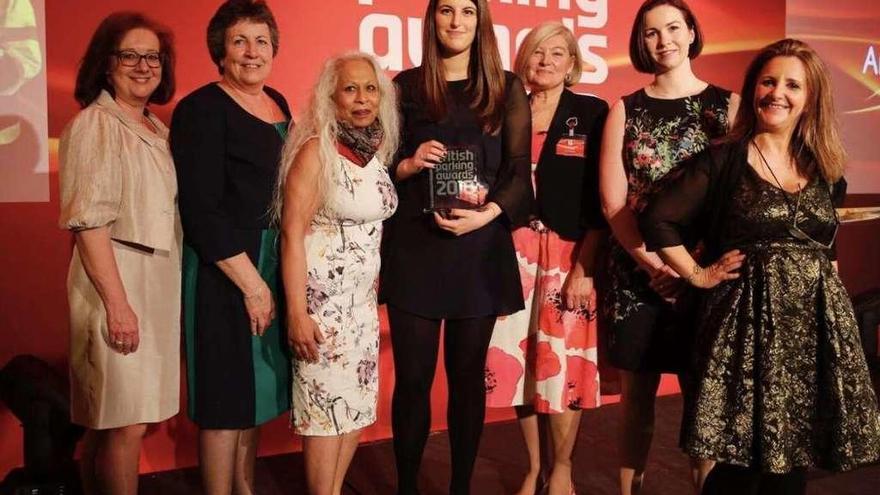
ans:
(783, 384)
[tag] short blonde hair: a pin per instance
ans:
(538, 35)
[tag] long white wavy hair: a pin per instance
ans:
(319, 121)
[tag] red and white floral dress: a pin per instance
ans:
(543, 355)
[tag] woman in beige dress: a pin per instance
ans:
(118, 193)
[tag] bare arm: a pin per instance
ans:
(301, 203)
(613, 188)
(96, 252)
(732, 108)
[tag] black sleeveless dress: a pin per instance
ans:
(643, 331)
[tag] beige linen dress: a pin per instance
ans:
(116, 173)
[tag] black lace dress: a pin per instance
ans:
(782, 380)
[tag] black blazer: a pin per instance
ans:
(567, 193)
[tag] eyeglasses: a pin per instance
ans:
(131, 58)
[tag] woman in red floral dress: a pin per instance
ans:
(543, 358)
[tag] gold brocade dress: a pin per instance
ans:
(783, 380)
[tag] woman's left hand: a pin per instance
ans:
(577, 292)
(465, 221)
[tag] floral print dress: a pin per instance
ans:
(543, 355)
(337, 394)
(659, 134)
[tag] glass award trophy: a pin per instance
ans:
(455, 182)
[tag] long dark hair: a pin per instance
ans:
(95, 65)
(485, 72)
(815, 143)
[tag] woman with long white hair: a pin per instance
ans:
(333, 193)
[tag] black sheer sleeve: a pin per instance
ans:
(513, 189)
(401, 151)
(197, 137)
(592, 217)
(405, 84)
(838, 194)
(672, 214)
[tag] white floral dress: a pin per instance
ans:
(337, 394)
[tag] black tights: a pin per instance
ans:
(415, 341)
(727, 479)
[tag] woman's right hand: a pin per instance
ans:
(724, 269)
(303, 337)
(123, 335)
(260, 306)
(667, 283)
(427, 155)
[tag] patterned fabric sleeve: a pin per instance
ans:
(838, 194)
(90, 172)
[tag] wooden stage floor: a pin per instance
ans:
(502, 461)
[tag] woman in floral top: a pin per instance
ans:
(648, 134)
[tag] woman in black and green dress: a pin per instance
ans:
(782, 382)
(226, 138)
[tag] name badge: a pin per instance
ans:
(572, 144)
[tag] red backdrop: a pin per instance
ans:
(848, 40)
(35, 253)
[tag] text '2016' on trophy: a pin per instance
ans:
(455, 182)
